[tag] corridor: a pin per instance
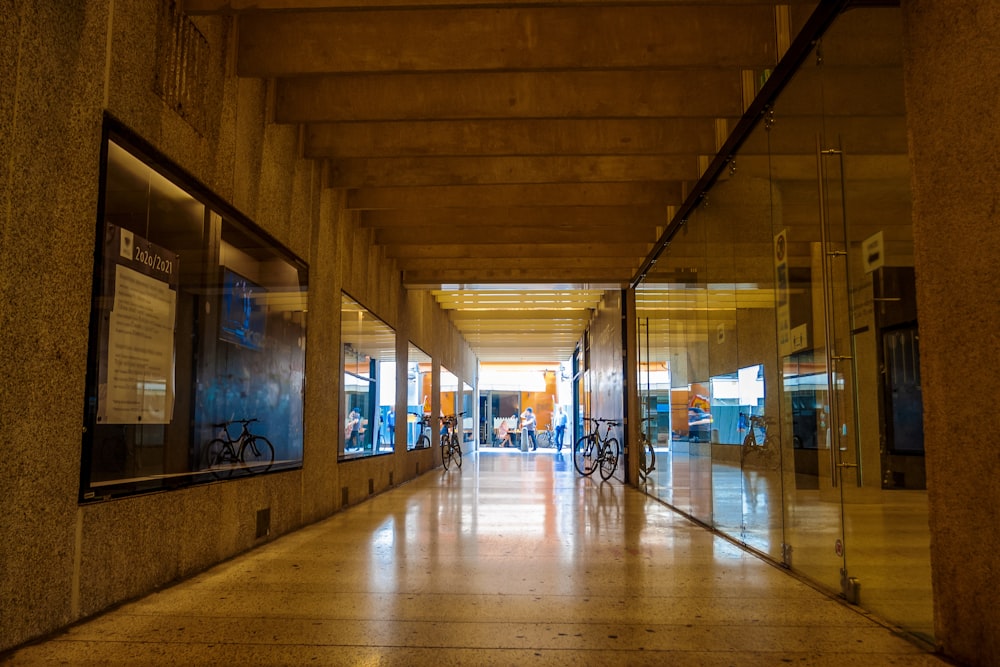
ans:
(511, 560)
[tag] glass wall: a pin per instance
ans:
(369, 348)
(197, 351)
(418, 391)
(780, 328)
(468, 419)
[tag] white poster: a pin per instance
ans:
(140, 357)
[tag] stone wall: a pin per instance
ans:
(64, 66)
(954, 134)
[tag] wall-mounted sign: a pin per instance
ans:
(783, 313)
(873, 253)
(800, 337)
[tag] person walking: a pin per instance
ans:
(528, 423)
(353, 430)
(561, 421)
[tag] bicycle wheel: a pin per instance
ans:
(543, 439)
(257, 454)
(770, 456)
(609, 458)
(423, 442)
(585, 455)
(647, 461)
(456, 450)
(445, 453)
(218, 458)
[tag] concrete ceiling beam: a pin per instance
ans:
(390, 172)
(609, 136)
(490, 251)
(559, 218)
(505, 38)
(660, 93)
(635, 193)
(197, 7)
(504, 235)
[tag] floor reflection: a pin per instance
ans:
(882, 537)
(515, 559)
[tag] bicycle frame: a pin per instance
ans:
(763, 448)
(451, 448)
(253, 452)
(608, 450)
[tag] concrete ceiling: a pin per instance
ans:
(514, 157)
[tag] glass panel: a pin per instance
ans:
(812, 498)
(874, 325)
(369, 349)
(724, 220)
(654, 389)
(814, 220)
(468, 419)
(692, 375)
(199, 339)
(761, 288)
(418, 391)
(675, 299)
(254, 368)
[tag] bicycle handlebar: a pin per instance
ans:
(451, 419)
(234, 421)
(600, 420)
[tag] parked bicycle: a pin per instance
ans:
(764, 451)
(424, 439)
(224, 455)
(451, 446)
(647, 458)
(546, 437)
(592, 450)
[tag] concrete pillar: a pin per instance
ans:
(952, 81)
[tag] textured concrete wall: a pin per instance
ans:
(607, 380)
(952, 78)
(60, 561)
(50, 139)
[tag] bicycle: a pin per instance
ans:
(423, 440)
(592, 450)
(766, 451)
(546, 437)
(647, 462)
(451, 448)
(253, 452)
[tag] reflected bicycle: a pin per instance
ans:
(765, 451)
(224, 455)
(424, 439)
(647, 455)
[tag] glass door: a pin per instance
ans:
(856, 506)
(812, 325)
(879, 458)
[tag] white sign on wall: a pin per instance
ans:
(873, 253)
(137, 375)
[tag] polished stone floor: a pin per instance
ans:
(511, 560)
